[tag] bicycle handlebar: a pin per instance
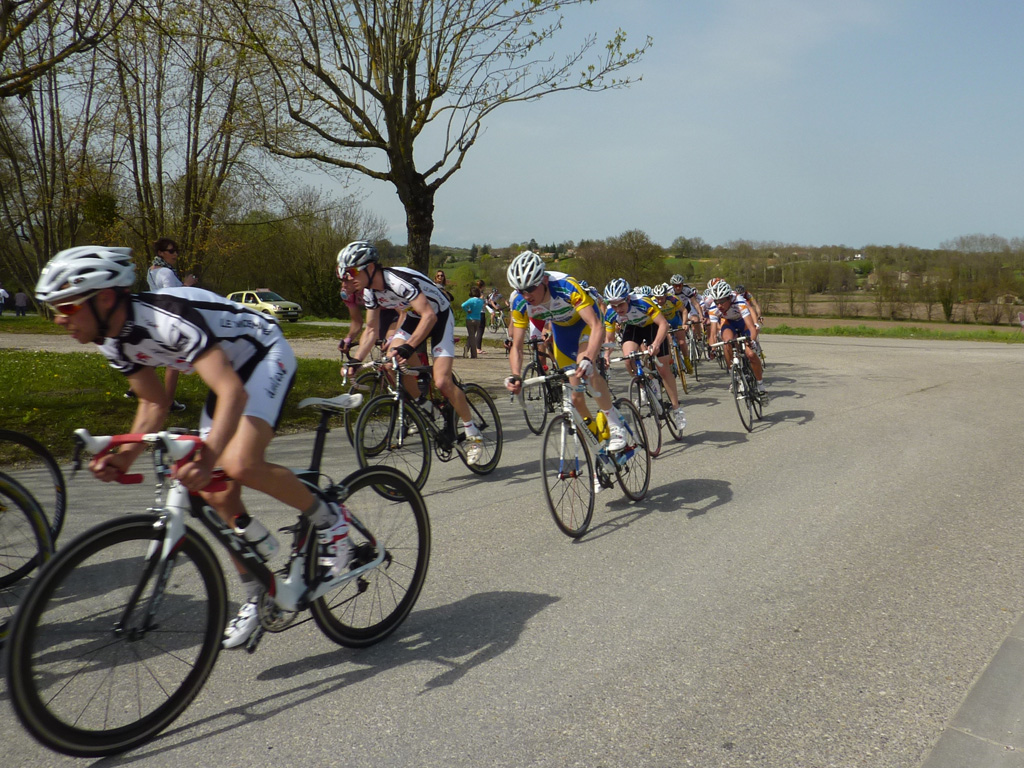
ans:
(178, 447)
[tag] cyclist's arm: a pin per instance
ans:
(596, 324)
(150, 414)
(515, 357)
(369, 335)
(751, 326)
(355, 327)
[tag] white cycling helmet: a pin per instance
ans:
(661, 289)
(357, 255)
(720, 290)
(676, 280)
(616, 290)
(643, 290)
(526, 271)
(85, 269)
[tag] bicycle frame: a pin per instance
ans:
(290, 593)
(606, 465)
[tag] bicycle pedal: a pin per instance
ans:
(254, 640)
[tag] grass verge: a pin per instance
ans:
(50, 394)
(1002, 335)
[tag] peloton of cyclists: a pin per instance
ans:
(643, 327)
(561, 300)
(730, 317)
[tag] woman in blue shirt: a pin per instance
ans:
(474, 306)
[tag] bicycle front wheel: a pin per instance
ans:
(487, 420)
(677, 358)
(29, 462)
(534, 400)
(633, 464)
(25, 545)
(369, 384)
(642, 397)
(370, 607)
(741, 392)
(393, 437)
(107, 650)
(568, 473)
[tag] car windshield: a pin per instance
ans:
(268, 296)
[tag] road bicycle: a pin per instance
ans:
(395, 429)
(743, 386)
(693, 348)
(647, 393)
(25, 545)
(497, 323)
(121, 630)
(572, 477)
(539, 401)
(678, 366)
(28, 461)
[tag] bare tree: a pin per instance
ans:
(179, 132)
(37, 35)
(360, 84)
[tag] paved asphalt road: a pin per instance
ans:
(838, 588)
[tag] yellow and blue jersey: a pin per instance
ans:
(563, 308)
(641, 311)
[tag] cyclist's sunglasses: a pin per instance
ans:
(349, 273)
(69, 308)
(532, 288)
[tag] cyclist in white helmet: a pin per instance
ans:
(429, 319)
(730, 317)
(643, 327)
(561, 300)
(240, 354)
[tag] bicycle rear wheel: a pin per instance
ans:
(29, 462)
(25, 545)
(534, 400)
(633, 465)
(643, 399)
(89, 678)
(568, 474)
(487, 420)
(385, 439)
(365, 610)
(755, 397)
(677, 360)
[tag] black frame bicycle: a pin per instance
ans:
(132, 611)
(395, 430)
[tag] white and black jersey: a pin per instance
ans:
(174, 327)
(401, 287)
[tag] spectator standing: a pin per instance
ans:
(20, 303)
(441, 281)
(4, 296)
(474, 307)
(162, 274)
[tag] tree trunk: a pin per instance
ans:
(418, 199)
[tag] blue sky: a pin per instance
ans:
(818, 122)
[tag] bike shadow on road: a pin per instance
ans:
(697, 496)
(457, 638)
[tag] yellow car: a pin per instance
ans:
(269, 303)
